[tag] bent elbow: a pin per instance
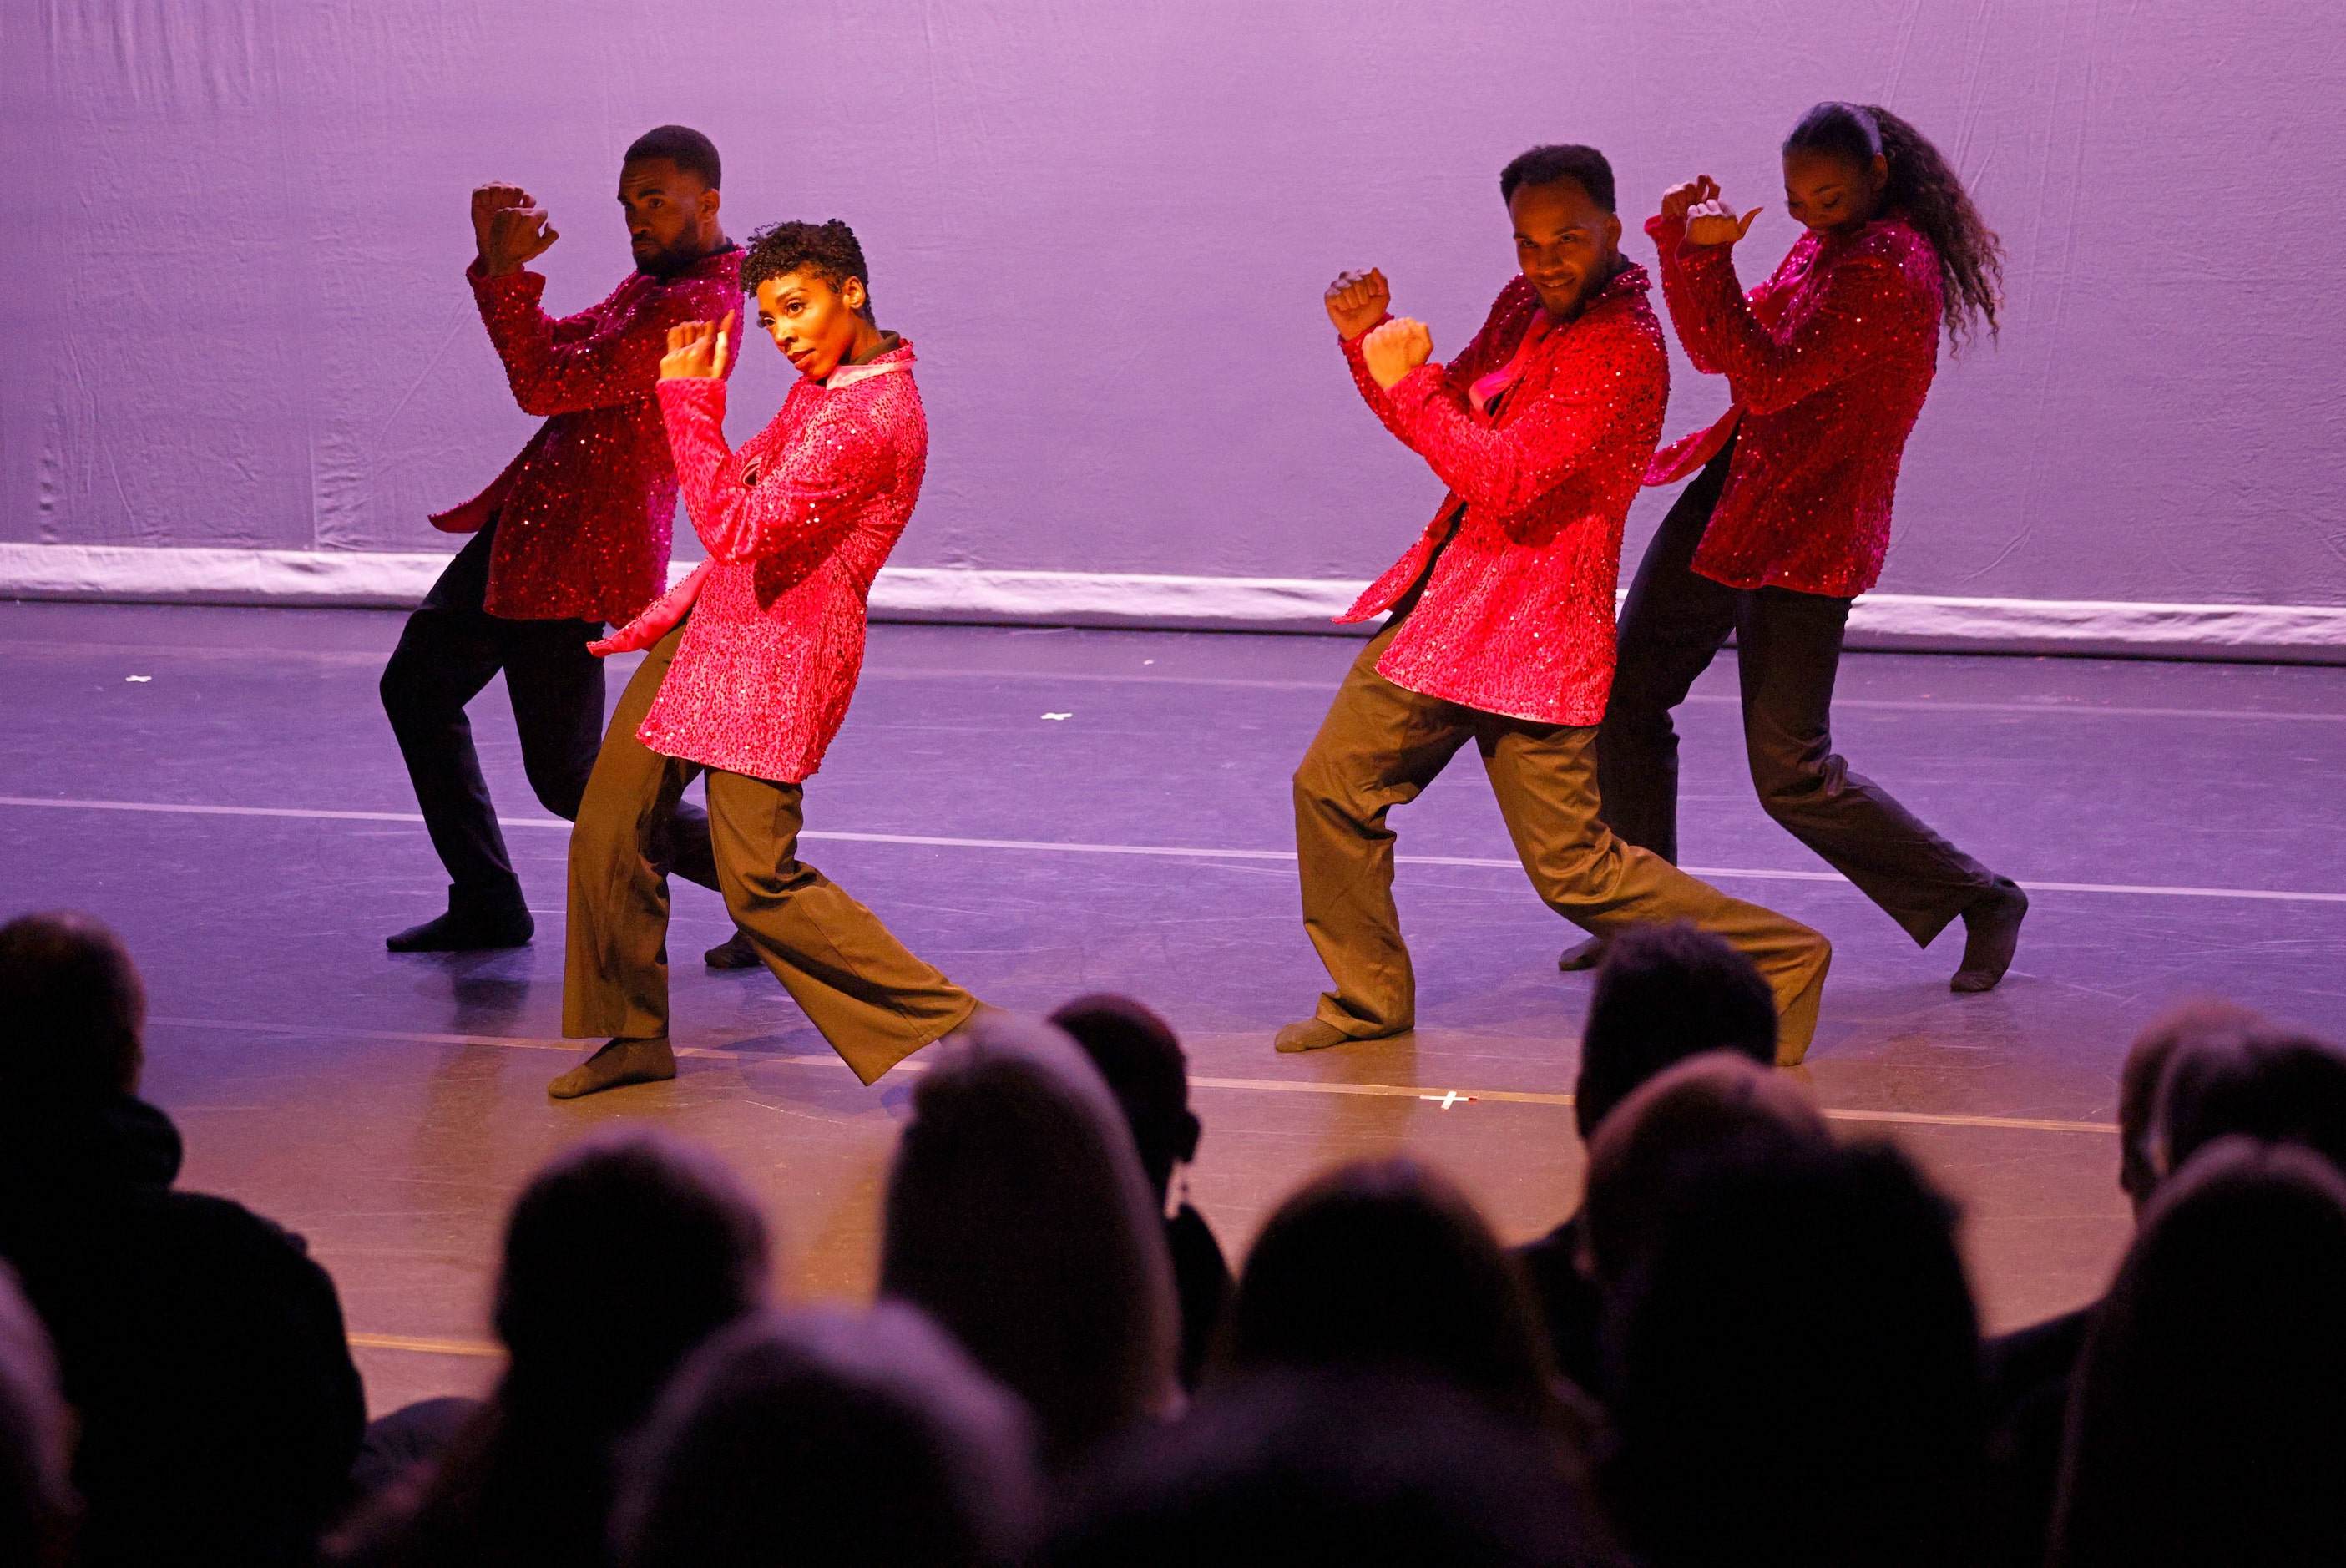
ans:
(535, 401)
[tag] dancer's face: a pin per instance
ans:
(671, 216)
(1828, 192)
(1566, 243)
(815, 325)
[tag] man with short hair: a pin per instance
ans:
(1501, 628)
(1147, 1070)
(1664, 995)
(573, 533)
(200, 1345)
(752, 663)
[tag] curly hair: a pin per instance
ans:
(1926, 189)
(829, 250)
(1585, 166)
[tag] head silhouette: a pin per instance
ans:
(76, 1008)
(1017, 1217)
(620, 1256)
(1327, 1468)
(1705, 1102)
(1793, 1369)
(2269, 1084)
(2201, 1020)
(2208, 1415)
(1383, 1265)
(826, 1440)
(1666, 993)
(1140, 1057)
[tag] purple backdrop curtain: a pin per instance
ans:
(235, 316)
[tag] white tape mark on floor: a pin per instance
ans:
(1170, 851)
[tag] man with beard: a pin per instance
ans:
(573, 533)
(1500, 625)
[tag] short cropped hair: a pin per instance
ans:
(681, 146)
(2273, 1085)
(1584, 165)
(829, 250)
(1666, 993)
(78, 1011)
(1141, 1058)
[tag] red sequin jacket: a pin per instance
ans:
(1519, 616)
(583, 513)
(1829, 362)
(797, 523)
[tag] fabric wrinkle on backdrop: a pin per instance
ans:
(237, 314)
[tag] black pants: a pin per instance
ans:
(450, 650)
(1788, 651)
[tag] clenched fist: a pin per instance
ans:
(1713, 222)
(1679, 199)
(509, 229)
(697, 351)
(489, 199)
(1395, 349)
(1356, 301)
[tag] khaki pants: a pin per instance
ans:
(1381, 746)
(875, 1001)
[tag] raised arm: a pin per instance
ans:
(1505, 468)
(582, 362)
(1852, 324)
(808, 496)
(1490, 345)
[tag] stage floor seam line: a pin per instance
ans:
(1251, 1085)
(426, 1347)
(1169, 851)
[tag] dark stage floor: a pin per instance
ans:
(1045, 812)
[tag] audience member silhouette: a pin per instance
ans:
(1682, 1114)
(1793, 1370)
(200, 1348)
(1331, 1468)
(2026, 1372)
(2272, 1085)
(1017, 1217)
(1141, 1058)
(37, 1506)
(2207, 1422)
(620, 1256)
(1384, 1266)
(824, 1439)
(1663, 993)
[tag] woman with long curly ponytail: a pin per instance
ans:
(1789, 516)
(1921, 184)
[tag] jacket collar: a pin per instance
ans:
(1631, 280)
(899, 358)
(722, 266)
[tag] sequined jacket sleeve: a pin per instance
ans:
(1504, 468)
(1842, 333)
(808, 497)
(599, 358)
(1697, 327)
(1486, 353)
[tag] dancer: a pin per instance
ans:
(753, 660)
(573, 533)
(1829, 362)
(1502, 615)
